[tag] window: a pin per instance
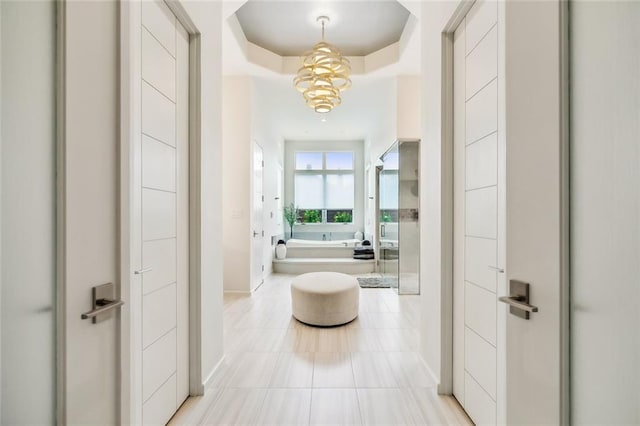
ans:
(324, 186)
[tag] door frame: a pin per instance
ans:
(61, 218)
(445, 387)
(252, 256)
(130, 127)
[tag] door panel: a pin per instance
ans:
(257, 219)
(476, 213)
(478, 253)
(158, 409)
(605, 212)
(159, 253)
(157, 20)
(482, 63)
(481, 213)
(482, 166)
(28, 168)
(478, 404)
(158, 66)
(158, 115)
(482, 113)
(158, 214)
(480, 361)
(164, 162)
(480, 311)
(159, 313)
(482, 16)
(159, 168)
(91, 228)
(159, 364)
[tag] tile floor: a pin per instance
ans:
(278, 371)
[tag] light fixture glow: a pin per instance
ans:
(323, 76)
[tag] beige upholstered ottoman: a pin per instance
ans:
(325, 298)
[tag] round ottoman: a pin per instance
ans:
(325, 298)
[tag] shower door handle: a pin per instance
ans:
(383, 232)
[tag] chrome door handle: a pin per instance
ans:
(518, 300)
(142, 271)
(104, 300)
(104, 306)
(255, 234)
(495, 268)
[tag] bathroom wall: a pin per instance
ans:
(247, 119)
(236, 174)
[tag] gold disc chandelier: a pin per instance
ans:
(324, 75)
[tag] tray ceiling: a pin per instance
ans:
(289, 28)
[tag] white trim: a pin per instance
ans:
(207, 381)
(61, 215)
(445, 386)
(565, 214)
(130, 72)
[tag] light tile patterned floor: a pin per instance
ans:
(278, 371)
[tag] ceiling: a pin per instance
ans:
(289, 28)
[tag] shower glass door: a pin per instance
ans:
(388, 217)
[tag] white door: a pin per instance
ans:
(478, 214)
(28, 214)
(605, 213)
(257, 220)
(162, 204)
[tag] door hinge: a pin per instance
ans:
(263, 233)
(263, 198)
(262, 268)
(262, 163)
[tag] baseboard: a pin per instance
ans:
(207, 381)
(237, 291)
(430, 371)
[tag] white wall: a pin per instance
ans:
(237, 169)
(409, 98)
(28, 212)
(248, 119)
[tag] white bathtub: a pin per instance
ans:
(315, 243)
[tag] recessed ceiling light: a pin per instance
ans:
(324, 120)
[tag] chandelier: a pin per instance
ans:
(323, 76)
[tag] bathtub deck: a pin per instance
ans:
(304, 265)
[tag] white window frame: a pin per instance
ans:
(325, 172)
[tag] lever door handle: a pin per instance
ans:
(104, 300)
(142, 271)
(495, 268)
(518, 303)
(104, 306)
(255, 234)
(518, 299)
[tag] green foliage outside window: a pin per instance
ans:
(312, 216)
(342, 217)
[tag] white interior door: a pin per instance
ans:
(163, 203)
(478, 214)
(28, 213)
(257, 219)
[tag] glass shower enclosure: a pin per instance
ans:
(397, 216)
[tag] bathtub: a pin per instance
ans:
(315, 243)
